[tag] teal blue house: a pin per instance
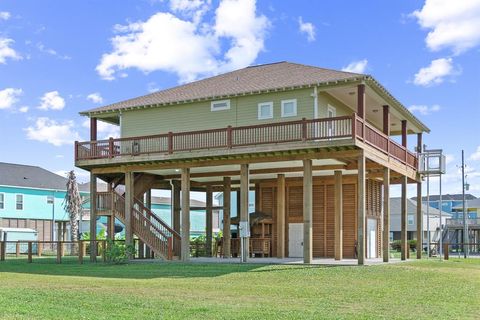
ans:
(31, 197)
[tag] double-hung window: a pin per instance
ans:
(19, 201)
(289, 108)
(265, 110)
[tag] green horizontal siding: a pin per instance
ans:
(243, 111)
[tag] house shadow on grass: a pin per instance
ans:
(70, 267)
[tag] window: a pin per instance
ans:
(220, 105)
(411, 219)
(2, 200)
(289, 108)
(265, 110)
(19, 201)
(50, 199)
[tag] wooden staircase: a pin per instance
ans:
(146, 225)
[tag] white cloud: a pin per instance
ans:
(42, 48)
(190, 48)
(104, 130)
(424, 109)
(95, 97)
(23, 109)
(476, 155)
(452, 24)
(6, 52)
(52, 101)
(308, 28)
(8, 97)
(435, 73)
(53, 132)
(356, 66)
(152, 87)
(5, 15)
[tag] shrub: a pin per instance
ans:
(118, 253)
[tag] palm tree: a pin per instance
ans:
(73, 205)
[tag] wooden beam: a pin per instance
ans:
(129, 196)
(227, 194)
(280, 216)
(257, 196)
(209, 221)
(404, 133)
(403, 220)
(93, 217)
(307, 211)
(386, 120)
(386, 215)
(176, 216)
(244, 218)
(185, 230)
(361, 195)
(93, 129)
(361, 101)
(338, 215)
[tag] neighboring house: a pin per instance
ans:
(32, 197)
(395, 214)
(315, 143)
(472, 206)
(449, 202)
(235, 203)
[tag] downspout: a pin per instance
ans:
(172, 194)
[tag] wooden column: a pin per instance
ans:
(93, 217)
(227, 194)
(386, 120)
(209, 220)
(361, 101)
(386, 215)
(185, 247)
(257, 197)
(129, 196)
(244, 218)
(307, 211)
(338, 215)
(404, 133)
(403, 219)
(361, 194)
(281, 216)
(93, 129)
(419, 204)
(176, 216)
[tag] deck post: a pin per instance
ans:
(30, 249)
(59, 252)
(386, 215)
(404, 138)
(361, 97)
(403, 219)
(185, 230)
(281, 216)
(176, 216)
(80, 251)
(338, 215)
(386, 120)
(307, 211)
(227, 194)
(361, 209)
(419, 204)
(209, 221)
(244, 218)
(129, 196)
(93, 214)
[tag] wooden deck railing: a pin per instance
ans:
(233, 137)
(459, 222)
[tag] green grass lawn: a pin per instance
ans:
(417, 290)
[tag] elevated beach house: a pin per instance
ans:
(314, 144)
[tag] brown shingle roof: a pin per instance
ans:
(251, 79)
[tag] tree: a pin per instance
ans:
(73, 204)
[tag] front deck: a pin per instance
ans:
(339, 133)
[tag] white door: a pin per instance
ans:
(295, 240)
(371, 238)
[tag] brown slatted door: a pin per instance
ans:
(268, 205)
(318, 221)
(349, 219)
(294, 208)
(330, 220)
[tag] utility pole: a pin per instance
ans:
(465, 226)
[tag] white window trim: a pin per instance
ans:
(23, 201)
(213, 108)
(270, 104)
(413, 220)
(294, 106)
(3, 193)
(333, 109)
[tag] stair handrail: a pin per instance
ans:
(151, 214)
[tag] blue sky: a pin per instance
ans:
(61, 57)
